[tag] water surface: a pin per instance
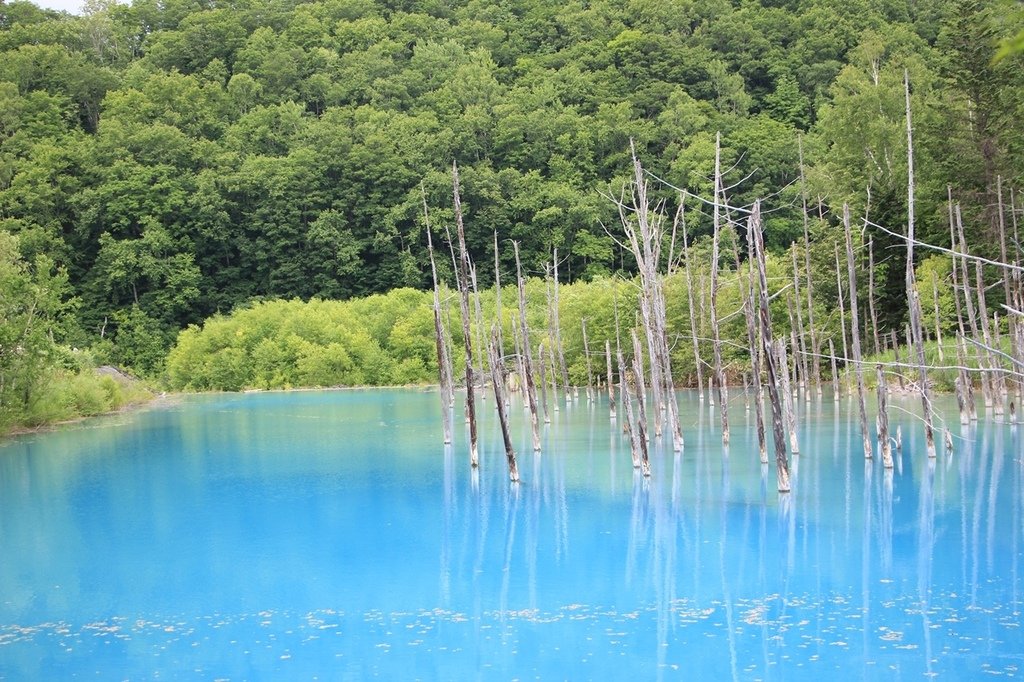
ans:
(330, 535)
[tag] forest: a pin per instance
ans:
(267, 165)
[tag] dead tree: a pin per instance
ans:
(590, 368)
(542, 364)
(938, 328)
(479, 317)
(915, 301)
(815, 343)
(558, 334)
(551, 339)
(693, 317)
(842, 314)
(611, 383)
(524, 334)
(498, 382)
(444, 369)
(781, 460)
(788, 409)
(883, 418)
(855, 333)
(627, 426)
(463, 278)
(871, 295)
(497, 299)
(638, 372)
(716, 339)
(753, 340)
(801, 337)
(835, 370)
(644, 230)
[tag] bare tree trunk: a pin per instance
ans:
(524, 334)
(443, 361)
(915, 301)
(781, 460)
(723, 398)
(542, 364)
(972, 408)
(871, 295)
(855, 334)
(479, 317)
(551, 337)
(896, 356)
(558, 334)
(627, 426)
(498, 382)
(802, 348)
(883, 418)
(989, 380)
(497, 299)
(789, 412)
(842, 314)
(554, 379)
(474, 459)
(753, 340)
(638, 371)
(835, 370)
(938, 328)
(693, 317)
(590, 368)
(815, 341)
(611, 383)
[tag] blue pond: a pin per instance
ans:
(330, 535)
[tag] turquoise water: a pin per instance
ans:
(330, 535)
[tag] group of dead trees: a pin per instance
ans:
(783, 365)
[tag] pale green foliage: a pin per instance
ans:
(378, 340)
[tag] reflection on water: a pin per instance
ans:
(331, 534)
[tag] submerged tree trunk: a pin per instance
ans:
(638, 371)
(524, 333)
(627, 426)
(474, 459)
(716, 339)
(871, 295)
(444, 370)
(611, 383)
(498, 381)
(883, 418)
(558, 333)
(693, 316)
(815, 341)
(787, 396)
(915, 301)
(590, 367)
(781, 460)
(753, 339)
(855, 334)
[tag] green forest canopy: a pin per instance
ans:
(170, 160)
